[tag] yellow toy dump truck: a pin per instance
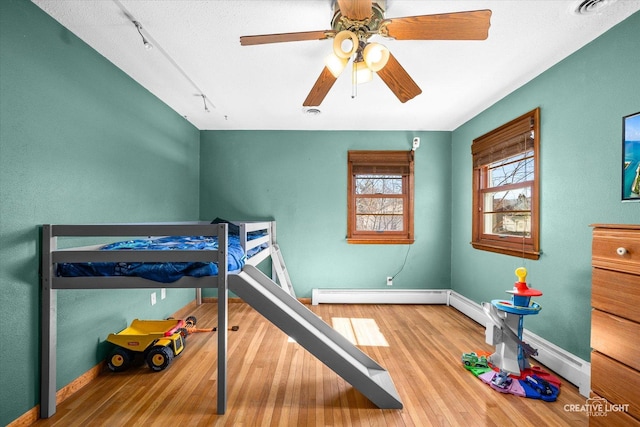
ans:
(159, 341)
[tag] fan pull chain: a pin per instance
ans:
(354, 81)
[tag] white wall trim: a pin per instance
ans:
(379, 296)
(569, 366)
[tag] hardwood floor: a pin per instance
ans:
(274, 382)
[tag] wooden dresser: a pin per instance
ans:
(615, 324)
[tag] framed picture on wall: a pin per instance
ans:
(631, 157)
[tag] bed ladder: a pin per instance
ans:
(281, 270)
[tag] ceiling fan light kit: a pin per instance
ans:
(361, 73)
(335, 64)
(339, 44)
(356, 21)
(375, 56)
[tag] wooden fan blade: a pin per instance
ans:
(320, 88)
(473, 25)
(285, 37)
(355, 9)
(398, 80)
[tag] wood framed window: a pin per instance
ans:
(506, 188)
(380, 197)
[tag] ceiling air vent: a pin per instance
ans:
(590, 7)
(312, 112)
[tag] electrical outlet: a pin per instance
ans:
(163, 293)
(153, 298)
(389, 281)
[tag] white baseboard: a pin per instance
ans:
(565, 364)
(379, 296)
(467, 307)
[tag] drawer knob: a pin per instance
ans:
(621, 251)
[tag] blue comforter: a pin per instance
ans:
(160, 272)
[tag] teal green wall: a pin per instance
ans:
(80, 141)
(582, 101)
(300, 179)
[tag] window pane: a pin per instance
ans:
(508, 212)
(379, 223)
(512, 200)
(506, 196)
(508, 224)
(378, 184)
(513, 170)
(380, 199)
(379, 205)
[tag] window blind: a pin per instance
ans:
(506, 141)
(380, 162)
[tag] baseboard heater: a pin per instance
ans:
(379, 296)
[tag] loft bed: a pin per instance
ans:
(227, 248)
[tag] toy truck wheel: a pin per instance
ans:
(184, 332)
(119, 359)
(191, 321)
(159, 358)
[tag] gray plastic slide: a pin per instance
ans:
(320, 339)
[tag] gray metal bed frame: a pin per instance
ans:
(51, 255)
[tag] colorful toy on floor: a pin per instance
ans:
(533, 383)
(159, 341)
(191, 328)
(506, 332)
(475, 360)
(509, 370)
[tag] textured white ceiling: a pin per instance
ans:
(197, 51)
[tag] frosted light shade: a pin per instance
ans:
(335, 64)
(340, 41)
(361, 73)
(375, 56)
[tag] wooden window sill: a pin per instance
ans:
(526, 253)
(379, 241)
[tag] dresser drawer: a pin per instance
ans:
(616, 382)
(616, 249)
(616, 293)
(616, 337)
(612, 418)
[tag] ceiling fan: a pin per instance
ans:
(355, 21)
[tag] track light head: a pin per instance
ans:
(145, 42)
(204, 101)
